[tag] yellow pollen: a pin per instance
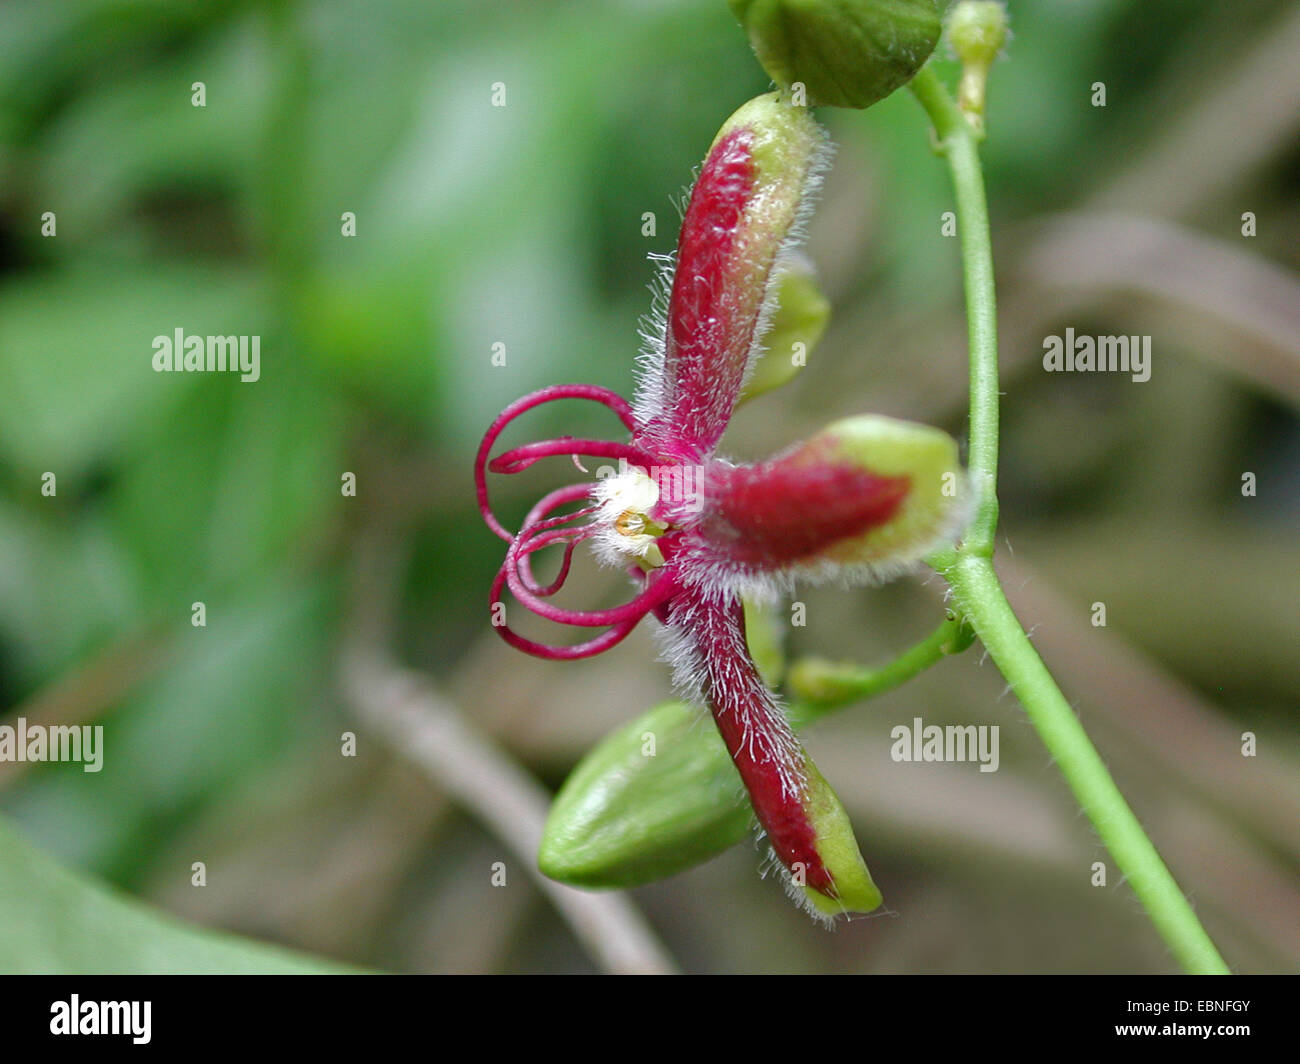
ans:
(630, 523)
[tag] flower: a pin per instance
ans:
(698, 533)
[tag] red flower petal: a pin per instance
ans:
(788, 509)
(742, 211)
(768, 757)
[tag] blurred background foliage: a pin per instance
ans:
(523, 225)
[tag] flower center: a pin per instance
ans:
(625, 527)
(631, 523)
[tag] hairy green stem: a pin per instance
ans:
(979, 596)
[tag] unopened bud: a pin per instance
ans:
(797, 324)
(847, 53)
(977, 30)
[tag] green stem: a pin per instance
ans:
(979, 596)
(957, 141)
(819, 686)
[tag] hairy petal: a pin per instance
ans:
(863, 498)
(742, 216)
(807, 828)
(777, 513)
(521, 406)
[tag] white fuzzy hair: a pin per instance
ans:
(718, 576)
(654, 390)
(694, 673)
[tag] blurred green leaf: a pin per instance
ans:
(232, 698)
(76, 375)
(53, 921)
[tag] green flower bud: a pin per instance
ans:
(797, 324)
(820, 681)
(651, 799)
(661, 795)
(845, 53)
(763, 634)
(838, 849)
(935, 505)
(977, 30)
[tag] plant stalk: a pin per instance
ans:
(978, 595)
